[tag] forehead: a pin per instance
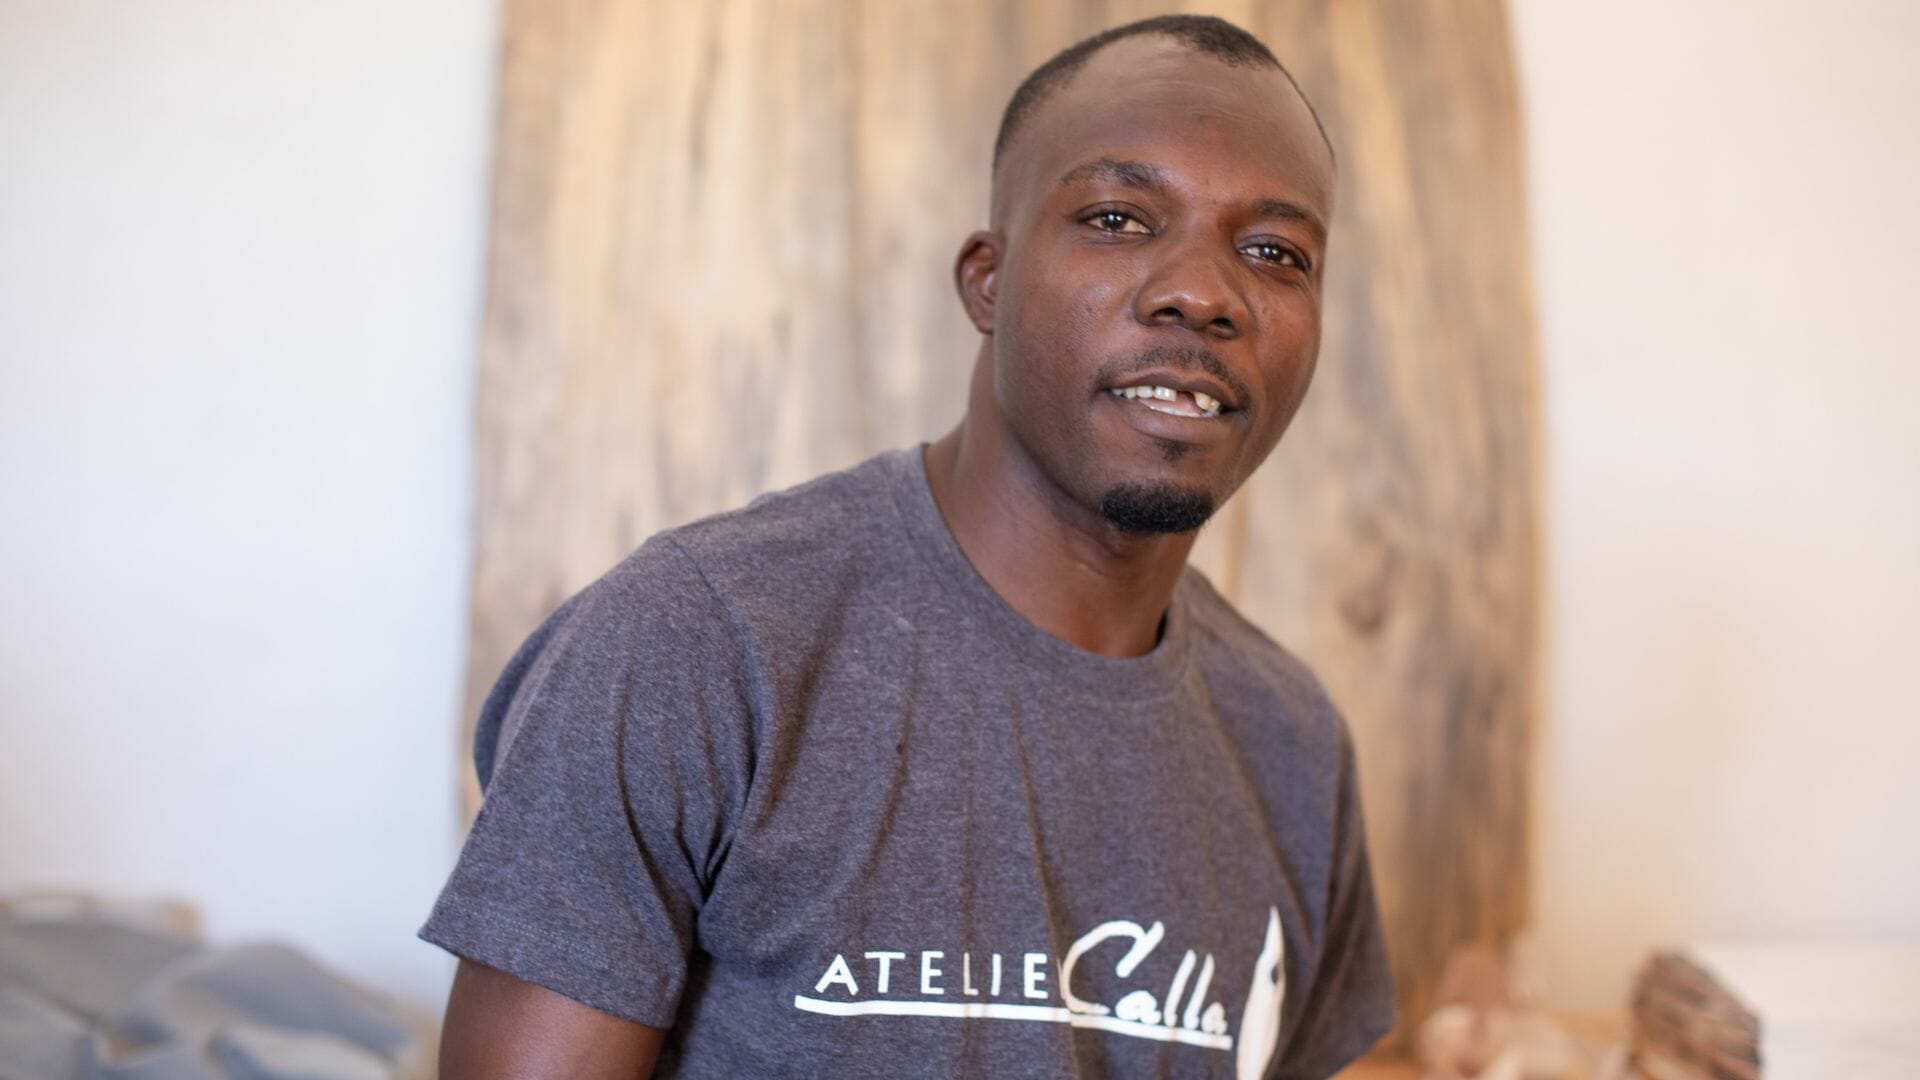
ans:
(1154, 100)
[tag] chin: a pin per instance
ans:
(1156, 508)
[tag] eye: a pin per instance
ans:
(1115, 221)
(1277, 254)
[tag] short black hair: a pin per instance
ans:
(1209, 34)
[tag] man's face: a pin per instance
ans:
(1156, 309)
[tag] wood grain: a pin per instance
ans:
(722, 241)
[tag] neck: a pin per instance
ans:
(1058, 563)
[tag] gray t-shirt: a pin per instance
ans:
(796, 783)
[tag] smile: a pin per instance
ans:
(1166, 399)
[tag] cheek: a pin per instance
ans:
(1288, 368)
(1052, 318)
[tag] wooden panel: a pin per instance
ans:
(722, 243)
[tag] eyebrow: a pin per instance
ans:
(1290, 211)
(1139, 174)
(1136, 174)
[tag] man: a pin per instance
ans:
(947, 765)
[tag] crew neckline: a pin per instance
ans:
(1153, 673)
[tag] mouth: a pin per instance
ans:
(1179, 397)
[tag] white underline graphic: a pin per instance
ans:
(961, 1010)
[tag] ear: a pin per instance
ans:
(976, 274)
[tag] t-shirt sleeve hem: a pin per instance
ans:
(1333, 1060)
(528, 954)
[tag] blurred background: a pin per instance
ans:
(244, 286)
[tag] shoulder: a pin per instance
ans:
(1253, 674)
(773, 565)
(651, 622)
(810, 524)
(692, 592)
(689, 613)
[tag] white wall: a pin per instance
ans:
(241, 251)
(1727, 244)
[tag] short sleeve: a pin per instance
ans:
(1350, 1004)
(614, 753)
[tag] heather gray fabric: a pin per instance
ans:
(794, 782)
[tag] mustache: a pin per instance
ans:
(1177, 359)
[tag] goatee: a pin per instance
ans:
(1154, 509)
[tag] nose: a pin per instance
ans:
(1192, 287)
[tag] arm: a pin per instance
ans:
(499, 1026)
(612, 753)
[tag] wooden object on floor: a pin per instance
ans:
(1686, 1025)
(1778, 1013)
(721, 247)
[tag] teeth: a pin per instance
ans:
(1206, 403)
